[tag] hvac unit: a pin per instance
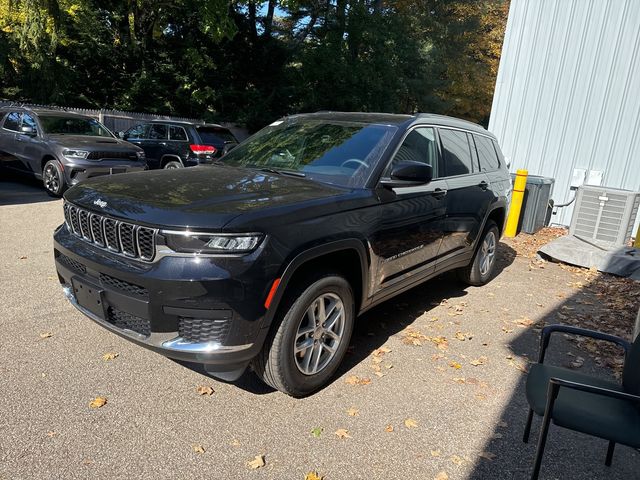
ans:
(604, 216)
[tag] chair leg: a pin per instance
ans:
(527, 427)
(612, 446)
(542, 441)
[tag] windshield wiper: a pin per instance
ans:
(282, 172)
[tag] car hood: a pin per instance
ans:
(93, 143)
(205, 197)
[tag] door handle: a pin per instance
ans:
(483, 185)
(439, 192)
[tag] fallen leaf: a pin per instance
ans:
(257, 462)
(441, 476)
(205, 390)
(46, 335)
(379, 352)
(98, 402)
(24, 257)
(110, 355)
(342, 433)
(458, 460)
(313, 476)
(388, 428)
(316, 432)
(487, 455)
(353, 412)
(51, 433)
(459, 379)
(436, 453)
(410, 423)
(378, 374)
(478, 361)
(455, 365)
(503, 424)
(577, 363)
(356, 380)
(235, 443)
(197, 448)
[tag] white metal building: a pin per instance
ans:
(567, 96)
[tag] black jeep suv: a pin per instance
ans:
(268, 256)
(173, 144)
(62, 148)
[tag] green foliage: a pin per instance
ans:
(252, 61)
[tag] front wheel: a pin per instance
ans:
(309, 340)
(482, 266)
(53, 178)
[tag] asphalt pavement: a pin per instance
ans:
(439, 387)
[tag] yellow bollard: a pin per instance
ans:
(637, 242)
(516, 203)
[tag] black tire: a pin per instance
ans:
(277, 364)
(173, 164)
(53, 178)
(478, 273)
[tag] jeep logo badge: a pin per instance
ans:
(100, 203)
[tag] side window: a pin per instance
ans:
(487, 154)
(136, 133)
(12, 122)
(28, 121)
(177, 133)
(418, 146)
(456, 151)
(158, 132)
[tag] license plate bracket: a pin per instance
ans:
(88, 296)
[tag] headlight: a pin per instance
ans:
(141, 155)
(75, 153)
(212, 243)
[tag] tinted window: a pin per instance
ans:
(487, 154)
(418, 146)
(457, 154)
(136, 132)
(12, 122)
(158, 132)
(215, 135)
(60, 125)
(29, 121)
(343, 153)
(177, 133)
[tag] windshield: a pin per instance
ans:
(342, 153)
(58, 125)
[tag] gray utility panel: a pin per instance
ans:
(604, 216)
(536, 205)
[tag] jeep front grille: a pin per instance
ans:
(134, 241)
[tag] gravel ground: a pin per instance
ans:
(426, 410)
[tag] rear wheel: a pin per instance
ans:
(53, 178)
(310, 338)
(482, 266)
(173, 164)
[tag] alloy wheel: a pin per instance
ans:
(51, 178)
(487, 253)
(319, 334)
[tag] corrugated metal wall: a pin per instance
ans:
(568, 92)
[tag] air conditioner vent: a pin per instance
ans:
(604, 216)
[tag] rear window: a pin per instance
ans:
(457, 154)
(487, 153)
(12, 122)
(215, 135)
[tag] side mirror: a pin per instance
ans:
(409, 174)
(27, 130)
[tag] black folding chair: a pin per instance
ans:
(584, 403)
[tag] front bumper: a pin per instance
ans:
(206, 311)
(78, 170)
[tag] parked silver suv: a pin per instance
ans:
(62, 148)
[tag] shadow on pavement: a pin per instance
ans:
(16, 189)
(568, 454)
(375, 327)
